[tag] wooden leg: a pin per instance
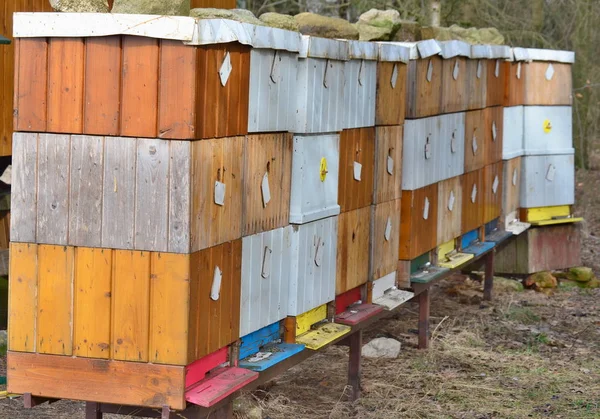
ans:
(224, 412)
(488, 282)
(424, 319)
(92, 411)
(354, 367)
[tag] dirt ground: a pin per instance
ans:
(525, 354)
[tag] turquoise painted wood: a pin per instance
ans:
(427, 275)
(479, 248)
(278, 352)
(252, 342)
(469, 238)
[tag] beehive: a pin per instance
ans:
(360, 86)
(385, 238)
(497, 73)
(515, 83)
(548, 130)
(477, 73)
(548, 180)
(472, 200)
(449, 210)
(512, 132)
(475, 140)
(424, 90)
(418, 221)
(356, 168)
(454, 96)
(353, 249)
(388, 163)
(492, 184)
(392, 71)
(511, 190)
(493, 133)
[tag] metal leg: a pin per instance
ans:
(92, 411)
(354, 367)
(424, 319)
(488, 282)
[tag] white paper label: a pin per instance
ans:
(266, 265)
(426, 209)
(495, 185)
(515, 177)
(7, 175)
(266, 191)
(357, 170)
(225, 69)
(550, 72)
(388, 229)
(479, 69)
(319, 252)
(497, 70)
(215, 289)
(390, 165)
(451, 200)
(219, 193)
(430, 71)
(494, 131)
(550, 173)
(275, 67)
(427, 150)
(519, 71)
(394, 79)
(456, 70)
(474, 194)
(453, 143)
(474, 145)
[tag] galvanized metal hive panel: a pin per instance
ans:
(513, 130)
(360, 93)
(548, 130)
(451, 146)
(548, 181)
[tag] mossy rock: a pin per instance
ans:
(325, 27)
(507, 285)
(541, 280)
(240, 15)
(153, 7)
(79, 6)
(372, 33)
(378, 25)
(580, 274)
(408, 32)
(484, 36)
(278, 20)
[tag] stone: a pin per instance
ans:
(409, 32)
(541, 280)
(240, 15)
(153, 7)
(80, 6)
(325, 27)
(372, 33)
(580, 274)
(507, 285)
(378, 25)
(278, 20)
(382, 348)
(483, 36)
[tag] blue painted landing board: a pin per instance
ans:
(479, 248)
(270, 355)
(469, 238)
(252, 342)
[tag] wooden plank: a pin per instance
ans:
(85, 379)
(220, 384)
(267, 155)
(514, 91)
(24, 188)
(169, 308)
(449, 210)
(92, 301)
(388, 164)
(391, 93)
(493, 133)
(352, 266)
(492, 185)
(475, 140)
(31, 85)
(418, 221)
(179, 196)
(85, 194)
(216, 160)
(139, 96)
(4, 230)
(496, 81)
(119, 193)
(53, 189)
(472, 200)
(54, 308)
(424, 97)
(102, 85)
(385, 238)
(66, 60)
(357, 146)
(306, 320)
(534, 215)
(131, 306)
(152, 195)
(22, 297)
(454, 90)
(177, 91)
(477, 84)
(214, 324)
(539, 90)
(323, 335)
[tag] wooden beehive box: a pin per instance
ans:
(320, 106)
(385, 238)
(548, 79)
(388, 163)
(267, 182)
(183, 86)
(454, 76)
(449, 211)
(356, 168)
(315, 177)
(360, 86)
(475, 143)
(512, 132)
(472, 200)
(496, 73)
(548, 181)
(127, 193)
(418, 221)
(548, 130)
(493, 133)
(392, 71)
(492, 188)
(511, 190)
(424, 90)
(353, 249)
(514, 90)
(477, 73)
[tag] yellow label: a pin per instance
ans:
(547, 126)
(323, 169)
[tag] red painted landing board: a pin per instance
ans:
(345, 300)
(357, 314)
(197, 370)
(218, 385)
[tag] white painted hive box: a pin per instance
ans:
(512, 135)
(548, 130)
(548, 181)
(360, 85)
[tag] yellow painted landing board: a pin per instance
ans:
(557, 221)
(455, 260)
(305, 320)
(546, 213)
(322, 335)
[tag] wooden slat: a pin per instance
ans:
(496, 80)
(356, 145)
(424, 97)
(92, 301)
(130, 307)
(85, 195)
(556, 91)
(271, 155)
(102, 85)
(493, 148)
(476, 86)
(388, 163)
(216, 160)
(177, 91)
(384, 251)
(353, 249)
(4, 230)
(65, 85)
(22, 297)
(493, 200)
(24, 187)
(514, 91)
(31, 85)
(472, 212)
(391, 101)
(54, 308)
(140, 87)
(169, 308)
(417, 233)
(454, 91)
(449, 220)
(179, 196)
(131, 383)
(475, 140)
(511, 191)
(53, 189)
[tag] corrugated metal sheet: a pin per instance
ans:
(451, 145)
(313, 265)
(548, 130)
(315, 176)
(359, 93)
(272, 103)
(512, 137)
(320, 106)
(266, 261)
(548, 181)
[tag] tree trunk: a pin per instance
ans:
(435, 12)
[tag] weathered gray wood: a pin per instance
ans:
(119, 192)
(85, 197)
(53, 189)
(24, 177)
(152, 195)
(179, 197)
